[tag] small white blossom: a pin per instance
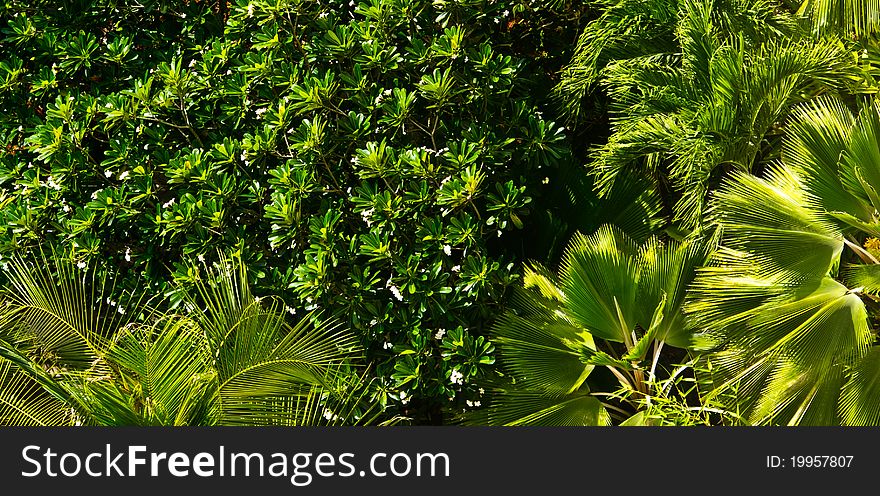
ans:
(81, 265)
(456, 268)
(128, 254)
(456, 377)
(447, 250)
(123, 175)
(396, 293)
(387, 346)
(108, 173)
(439, 334)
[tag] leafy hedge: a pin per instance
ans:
(360, 157)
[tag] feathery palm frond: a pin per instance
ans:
(861, 17)
(712, 102)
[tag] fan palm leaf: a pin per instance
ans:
(67, 354)
(782, 306)
(610, 293)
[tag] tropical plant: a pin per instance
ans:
(697, 89)
(69, 354)
(613, 307)
(788, 308)
(860, 17)
(364, 158)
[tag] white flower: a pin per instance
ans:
(546, 180)
(439, 334)
(329, 415)
(81, 264)
(50, 182)
(168, 203)
(456, 377)
(387, 346)
(456, 268)
(396, 293)
(447, 250)
(123, 175)
(120, 310)
(323, 15)
(108, 173)
(192, 62)
(260, 111)
(201, 258)
(250, 10)
(128, 254)
(482, 391)
(403, 397)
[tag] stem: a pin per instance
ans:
(864, 254)
(620, 377)
(658, 345)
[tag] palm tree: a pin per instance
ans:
(70, 354)
(613, 307)
(697, 88)
(788, 306)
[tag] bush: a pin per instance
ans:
(358, 157)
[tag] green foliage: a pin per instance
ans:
(786, 304)
(612, 308)
(697, 89)
(359, 157)
(71, 354)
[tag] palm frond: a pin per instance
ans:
(24, 402)
(514, 407)
(861, 17)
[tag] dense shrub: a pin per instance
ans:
(359, 156)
